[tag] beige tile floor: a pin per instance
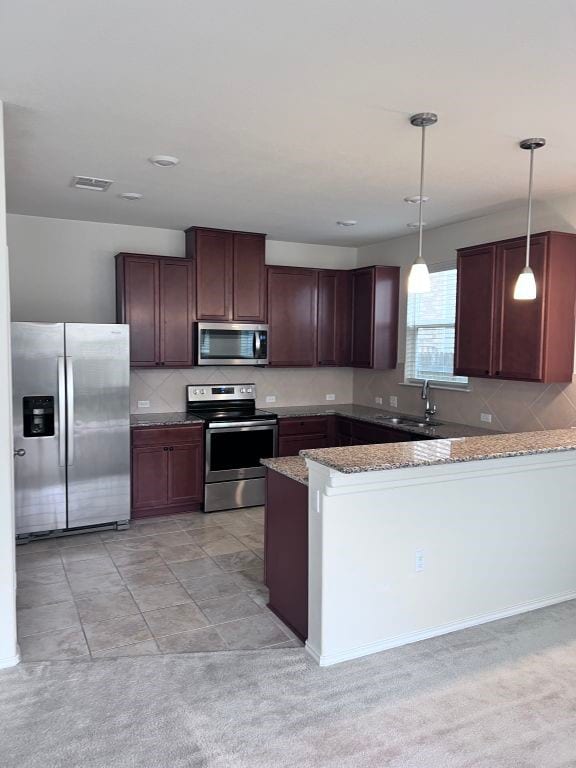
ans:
(175, 584)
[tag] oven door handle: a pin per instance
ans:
(243, 426)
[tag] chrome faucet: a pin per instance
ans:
(429, 409)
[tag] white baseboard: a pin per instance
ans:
(328, 659)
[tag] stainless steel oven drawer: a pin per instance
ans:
(234, 494)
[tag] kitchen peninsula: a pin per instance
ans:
(394, 556)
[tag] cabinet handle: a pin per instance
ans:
(166, 449)
(487, 372)
(497, 373)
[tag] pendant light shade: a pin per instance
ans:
(419, 278)
(525, 288)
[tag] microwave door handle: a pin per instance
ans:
(257, 345)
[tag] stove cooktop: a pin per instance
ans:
(217, 413)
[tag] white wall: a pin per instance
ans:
(63, 270)
(8, 645)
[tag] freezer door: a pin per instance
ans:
(98, 409)
(38, 385)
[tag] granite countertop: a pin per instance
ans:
(377, 416)
(163, 419)
(374, 458)
(293, 467)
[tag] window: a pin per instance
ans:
(430, 331)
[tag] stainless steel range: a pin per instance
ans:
(238, 435)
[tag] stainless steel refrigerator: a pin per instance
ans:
(71, 410)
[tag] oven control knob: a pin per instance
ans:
(242, 390)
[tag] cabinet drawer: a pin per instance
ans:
(291, 446)
(166, 435)
(307, 425)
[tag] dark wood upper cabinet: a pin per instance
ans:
(213, 254)
(249, 284)
(176, 313)
(334, 317)
(230, 274)
(375, 292)
(475, 309)
(155, 297)
(292, 316)
(500, 337)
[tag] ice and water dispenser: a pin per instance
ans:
(38, 412)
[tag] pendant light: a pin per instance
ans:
(419, 278)
(525, 288)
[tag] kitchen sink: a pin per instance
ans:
(407, 421)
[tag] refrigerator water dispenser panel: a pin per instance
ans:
(38, 416)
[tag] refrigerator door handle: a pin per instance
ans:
(70, 410)
(61, 413)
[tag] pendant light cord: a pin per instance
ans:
(529, 222)
(421, 191)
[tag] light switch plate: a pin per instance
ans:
(378, 400)
(487, 417)
(330, 397)
(393, 401)
(270, 398)
(143, 403)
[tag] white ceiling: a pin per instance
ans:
(286, 115)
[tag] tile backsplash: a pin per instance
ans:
(166, 390)
(515, 406)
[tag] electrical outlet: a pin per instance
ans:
(143, 403)
(393, 400)
(487, 417)
(378, 400)
(419, 560)
(330, 397)
(270, 398)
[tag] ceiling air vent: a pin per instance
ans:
(89, 182)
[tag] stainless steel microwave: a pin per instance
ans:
(232, 344)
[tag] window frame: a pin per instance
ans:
(411, 381)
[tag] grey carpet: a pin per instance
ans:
(502, 695)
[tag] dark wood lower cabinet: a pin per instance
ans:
(167, 470)
(286, 550)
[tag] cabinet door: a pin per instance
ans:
(176, 313)
(213, 258)
(249, 284)
(185, 473)
(475, 309)
(334, 317)
(520, 324)
(362, 318)
(292, 305)
(149, 477)
(141, 307)
(291, 446)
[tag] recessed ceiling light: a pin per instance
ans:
(164, 161)
(347, 223)
(90, 182)
(415, 225)
(130, 196)
(415, 199)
